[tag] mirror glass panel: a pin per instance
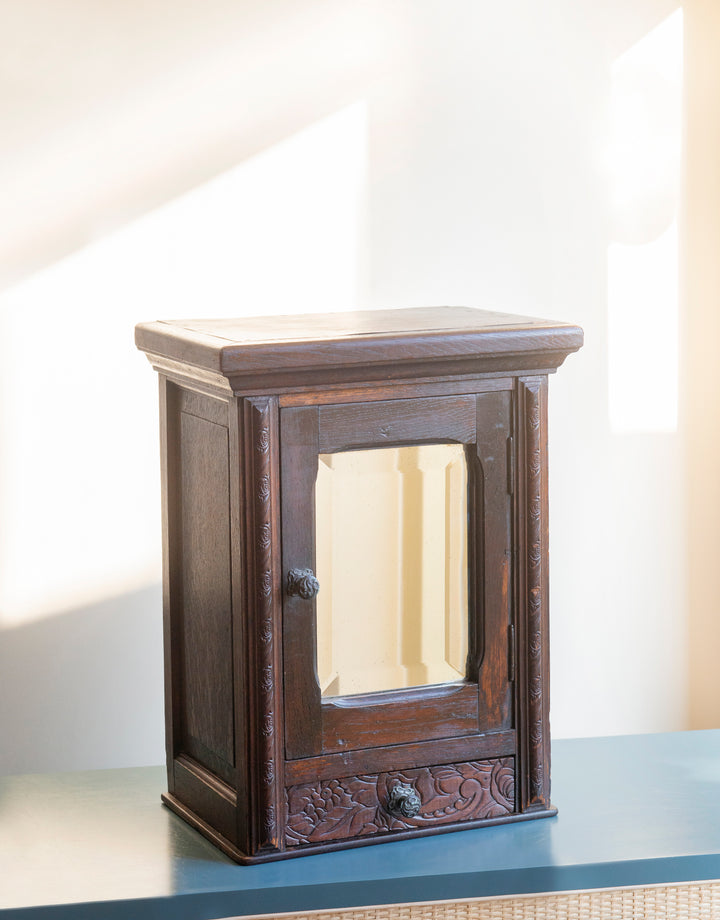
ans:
(391, 559)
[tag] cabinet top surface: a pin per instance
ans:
(318, 342)
(432, 321)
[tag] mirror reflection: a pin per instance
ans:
(391, 557)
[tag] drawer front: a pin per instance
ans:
(353, 806)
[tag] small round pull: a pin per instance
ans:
(302, 583)
(403, 801)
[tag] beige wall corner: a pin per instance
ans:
(700, 332)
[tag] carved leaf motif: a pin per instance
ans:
(265, 536)
(503, 784)
(263, 441)
(535, 464)
(536, 688)
(534, 413)
(270, 819)
(266, 584)
(355, 805)
(264, 488)
(536, 780)
(534, 554)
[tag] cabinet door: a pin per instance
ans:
(401, 511)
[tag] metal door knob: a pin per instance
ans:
(302, 583)
(403, 801)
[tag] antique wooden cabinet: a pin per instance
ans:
(355, 573)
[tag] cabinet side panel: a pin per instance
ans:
(170, 584)
(206, 674)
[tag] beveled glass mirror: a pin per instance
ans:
(391, 557)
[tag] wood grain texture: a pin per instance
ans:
(491, 574)
(437, 712)
(384, 344)
(200, 739)
(400, 324)
(202, 405)
(401, 756)
(369, 392)
(357, 806)
(207, 676)
(299, 451)
(402, 421)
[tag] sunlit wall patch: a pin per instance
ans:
(279, 232)
(644, 174)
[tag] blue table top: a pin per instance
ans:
(633, 810)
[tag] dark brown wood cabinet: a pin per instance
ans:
(311, 701)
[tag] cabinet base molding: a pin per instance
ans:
(222, 843)
(232, 851)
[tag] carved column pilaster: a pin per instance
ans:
(263, 616)
(533, 584)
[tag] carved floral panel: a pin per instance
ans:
(353, 806)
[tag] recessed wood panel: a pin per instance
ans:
(206, 666)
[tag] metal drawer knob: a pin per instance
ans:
(302, 583)
(403, 801)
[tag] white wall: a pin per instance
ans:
(174, 159)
